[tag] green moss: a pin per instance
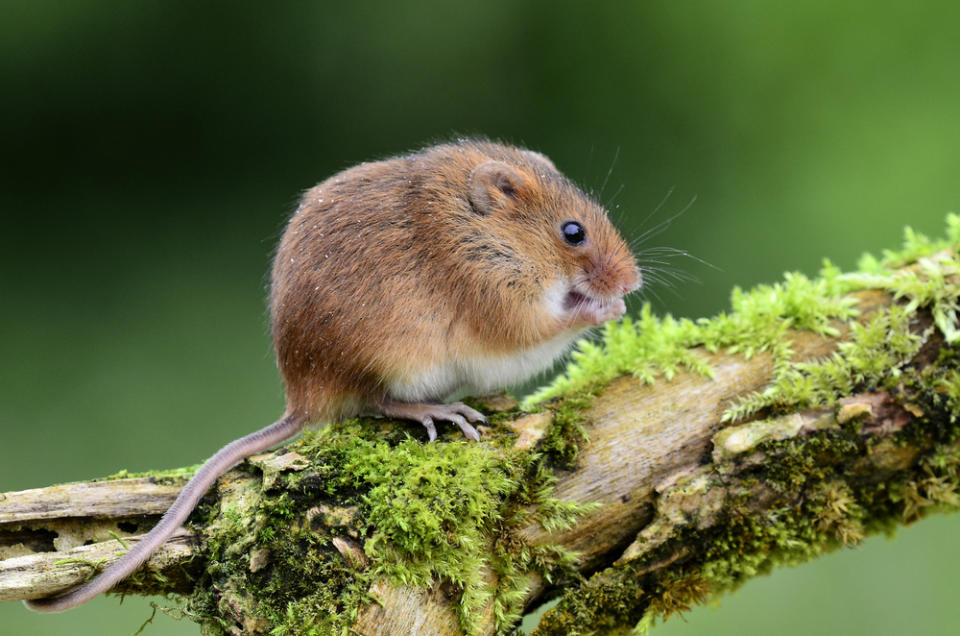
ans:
(562, 440)
(653, 347)
(419, 513)
(873, 355)
(168, 476)
(823, 486)
(430, 508)
(762, 318)
(647, 348)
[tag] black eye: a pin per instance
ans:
(573, 233)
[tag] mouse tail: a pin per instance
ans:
(173, 518)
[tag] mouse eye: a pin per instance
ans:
(573, 233)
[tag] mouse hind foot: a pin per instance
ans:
(456, 412)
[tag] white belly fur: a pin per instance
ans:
(481, 374)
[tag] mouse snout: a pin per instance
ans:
(613, 279)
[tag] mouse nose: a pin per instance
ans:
(633, 285)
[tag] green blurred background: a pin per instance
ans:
(153, 150)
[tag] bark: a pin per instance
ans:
(670, 477)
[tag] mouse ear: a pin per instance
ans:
(541, 159)
(493, 186)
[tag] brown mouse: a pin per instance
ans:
(466, 265)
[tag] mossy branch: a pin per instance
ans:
(673, 460)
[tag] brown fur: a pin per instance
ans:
(392, 267)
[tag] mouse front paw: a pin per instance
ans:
(596, 314)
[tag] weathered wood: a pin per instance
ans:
(39, 575)
(105, 499)
(53, 538)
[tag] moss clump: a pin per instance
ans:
(418, 514)
(652, 347)
(646, 348)
(874, 353)
(562, 440)
(430, 509)
(168, 476)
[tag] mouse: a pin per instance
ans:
(466, 265)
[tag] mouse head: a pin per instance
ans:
(582, 264)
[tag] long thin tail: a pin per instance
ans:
(186, 501)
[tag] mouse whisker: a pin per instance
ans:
(616, 155)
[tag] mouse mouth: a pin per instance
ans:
(586, 310)
(576, 300)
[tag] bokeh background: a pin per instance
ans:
(152, 151)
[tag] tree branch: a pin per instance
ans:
(770, 443)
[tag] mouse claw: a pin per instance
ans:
(431, 429)
(468, 431)
(471, 414)
(460, 413)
